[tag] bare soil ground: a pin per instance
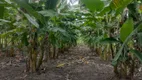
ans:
(79, 63)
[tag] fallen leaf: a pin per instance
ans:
(60, 65)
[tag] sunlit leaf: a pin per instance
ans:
(3, 21)
(94, 5)
(29, 9)
(31, 20)
(104, 11)
(115, 4)
(126, 29)
(48, 13)
(13, 31)
(8, 1)
(117, 56)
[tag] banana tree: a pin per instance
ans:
(123, 59)
(45, 31)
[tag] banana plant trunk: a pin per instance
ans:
(43, 51)
(32, 58)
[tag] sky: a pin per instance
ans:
(73, 2)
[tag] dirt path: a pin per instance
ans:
(79, 63)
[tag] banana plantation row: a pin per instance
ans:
(43, 29)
